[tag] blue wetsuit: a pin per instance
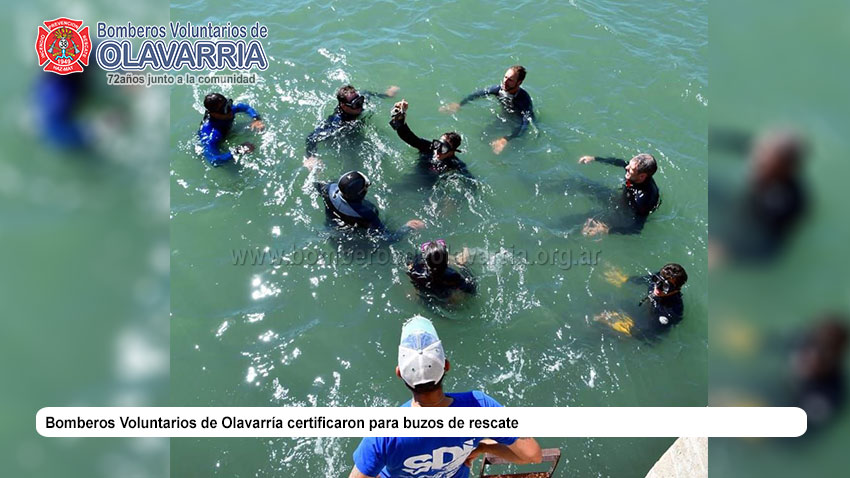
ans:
(518, 105)
(56, 102)
(335, 123)
(213, 131)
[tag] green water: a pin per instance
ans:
(607, 78)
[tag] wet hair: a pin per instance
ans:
(343, 92)
(436, 256)
(674, 273)
(214, 102)
(646, 164)
(520, 72)
(453, 139)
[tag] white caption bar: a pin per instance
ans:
(419, 422)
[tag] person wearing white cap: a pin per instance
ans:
(422, 366)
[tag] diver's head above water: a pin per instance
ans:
(353, 186)
(446, 147)
(513, 79)
(218, 106)
(350, 101)
(777, 156)
(820, 353)
(436, 255)
(669, 280)
(641, 168)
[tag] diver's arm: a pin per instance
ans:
(371, 94)
(322, 188)
(492, 90)
(622, 163)
(326, 129)
(212, 153)
(388, 93)
(244, 108)
(215, 157)
(395, 236)
(409, 137)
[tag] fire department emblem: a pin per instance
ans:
(63, 47)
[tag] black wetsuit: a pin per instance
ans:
(358, 214)
(518, 105)
(427, 164)
(640, 200)
(764, 216)
(762, 227)
(339, 122)
(439, 285)
(362, 214)
(822, 398)
(656, 315)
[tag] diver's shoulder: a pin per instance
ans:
(473, 398)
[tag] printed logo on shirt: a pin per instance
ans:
(445, 461)
(63, 47)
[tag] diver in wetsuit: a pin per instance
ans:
(757, 222)
(346, 206)
(819, 382)
(57, 102)
(429, 271)
(664, 296)
(436, 157)
(658, 311)
(217, 122)
(640, 195)
(515, 101)
(350, 104)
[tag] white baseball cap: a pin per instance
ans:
(421, 358)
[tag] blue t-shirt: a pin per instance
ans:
(432, 457)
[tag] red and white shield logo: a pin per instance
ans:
(63, 47)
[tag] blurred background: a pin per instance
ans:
(778, 259)
(85, 267)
